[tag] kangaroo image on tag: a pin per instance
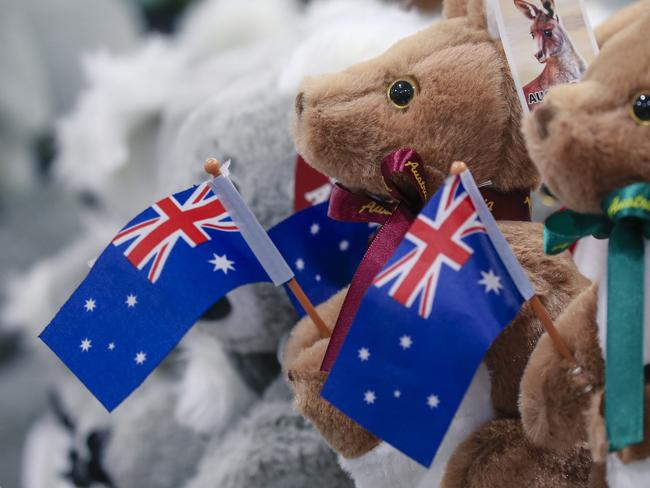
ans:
(547, 43)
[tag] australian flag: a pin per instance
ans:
(167, 267)
(424, 326)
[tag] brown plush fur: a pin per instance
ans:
(502, 457)
(465, 108)
(583, 138)
(556, 283)
(302, 359)
(621, 20)
(586, 144)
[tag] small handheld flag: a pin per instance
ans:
(259, 241)
(171, 263)
(426, 323)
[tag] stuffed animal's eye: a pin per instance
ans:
(532, 34)
(548, 32)
(401, 93)
(641, 108)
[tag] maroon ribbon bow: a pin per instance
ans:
(395, 219)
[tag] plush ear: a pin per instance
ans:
(620, 20)
(455, 8)
(480, 13)
(528, 9)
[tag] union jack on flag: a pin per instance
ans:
(153, 239)
(438, 240)
(403, 370)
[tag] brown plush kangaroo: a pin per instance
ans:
(587, 140)
(456, 101)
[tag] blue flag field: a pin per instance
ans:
(427, 321)
(167, 267)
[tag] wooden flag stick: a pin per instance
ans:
(551, 330)
(213, 167)
(300, 295)
(538, 308)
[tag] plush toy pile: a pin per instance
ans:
(442, 117)
(238, 403)
(217, 412)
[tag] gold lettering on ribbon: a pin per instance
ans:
(413, 166)
(374, 208)
(561, 247)
(639, 202)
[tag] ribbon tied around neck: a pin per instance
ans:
(395, 218)
(626, 222)
(403, 175)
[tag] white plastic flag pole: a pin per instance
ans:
(259, 241)
(539, 310)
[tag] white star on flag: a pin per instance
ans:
(314, 229)
(86, 344)
(405, 342)
(222, 263)
(90, 305)
(433, 401)
(344, 245)
(491, 282)
(111, 346)
(369, 397)
(397, 393)
(131, 300)
(140, 358)
(364, 354)
(318, 277)
(300, 264)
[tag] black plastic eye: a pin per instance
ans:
(548, 33)
(401, 93)
(532, 34)
(641, 108)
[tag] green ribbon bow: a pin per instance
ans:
(626, 221)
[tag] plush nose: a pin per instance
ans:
(300, 103)
(543, 115)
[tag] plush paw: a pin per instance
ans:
(555, 394)
(500, 454)
(302, 360)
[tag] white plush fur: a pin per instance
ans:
(126, 91)
(46, 447)
(340, 33)
(634, 475)
(383, 467)
(211, 393)
(32, 298)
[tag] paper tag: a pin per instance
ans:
(546, 42)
